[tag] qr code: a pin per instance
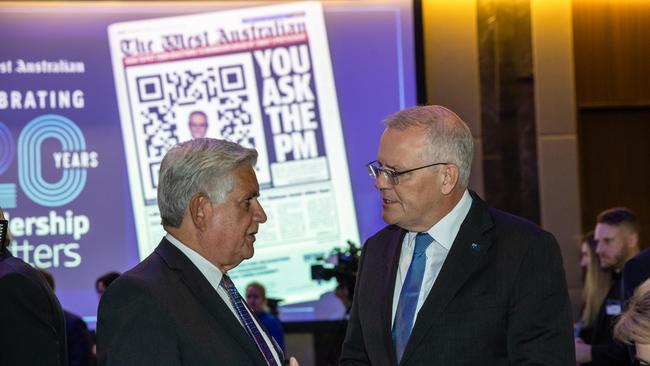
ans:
(164, 97)
(197, 98)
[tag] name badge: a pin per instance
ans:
(614, 307)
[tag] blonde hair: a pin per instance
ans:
(597, 282)
(634, 325)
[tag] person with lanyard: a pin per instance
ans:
(617, 237)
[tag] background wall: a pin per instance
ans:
(586, 63)
(612, 53)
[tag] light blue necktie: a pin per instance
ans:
(408, 297)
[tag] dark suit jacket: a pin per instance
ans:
(165, 312)
(79, 340)
(500, 299)
(32, 330)
(635, 272)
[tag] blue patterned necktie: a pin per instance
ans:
(408, 297)
(246, 319)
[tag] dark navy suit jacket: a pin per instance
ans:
(32, 330)
(499, 299)
(165, 312)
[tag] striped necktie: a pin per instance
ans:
(408, 297)
(247, 320)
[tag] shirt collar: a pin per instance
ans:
(444, 231)
(209, 270)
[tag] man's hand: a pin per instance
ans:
(583, 351)
(293, 362)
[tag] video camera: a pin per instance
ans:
(340, 264)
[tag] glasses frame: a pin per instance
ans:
(392, 176)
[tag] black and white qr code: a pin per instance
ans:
(165, 97)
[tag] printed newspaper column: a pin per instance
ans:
(261, 77)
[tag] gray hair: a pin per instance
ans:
(450, 139)
(200, 165)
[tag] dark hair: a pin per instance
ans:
(590, 240)
(199, 113)
(259, 286)
(107, 278)
(617, 216)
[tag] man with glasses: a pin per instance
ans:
(450, 281)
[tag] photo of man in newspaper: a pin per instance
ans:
(198, 124)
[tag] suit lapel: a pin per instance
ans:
(468, 254)
(392, 255)
(205, 294)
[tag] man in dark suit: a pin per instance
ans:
(636, 271)
(32, 330)
(450, 281)
(178, 306)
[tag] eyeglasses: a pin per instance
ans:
(392, 175)
(3, 232)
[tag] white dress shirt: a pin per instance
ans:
(443, 233)
(214, 275)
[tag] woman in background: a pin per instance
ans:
(597, 282)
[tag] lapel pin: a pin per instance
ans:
(476, 247)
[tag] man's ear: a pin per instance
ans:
(200, 210)
(632, 238)
(449, 174)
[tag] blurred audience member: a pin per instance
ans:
(634, 325)
(597, 282)
(257, 301)
(617, 237)
(102, 282)
(77, 334)
(32, 330)
(100, 286)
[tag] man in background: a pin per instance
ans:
(451, 281)
(178, 306)
(617, 236)
(32, 330)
